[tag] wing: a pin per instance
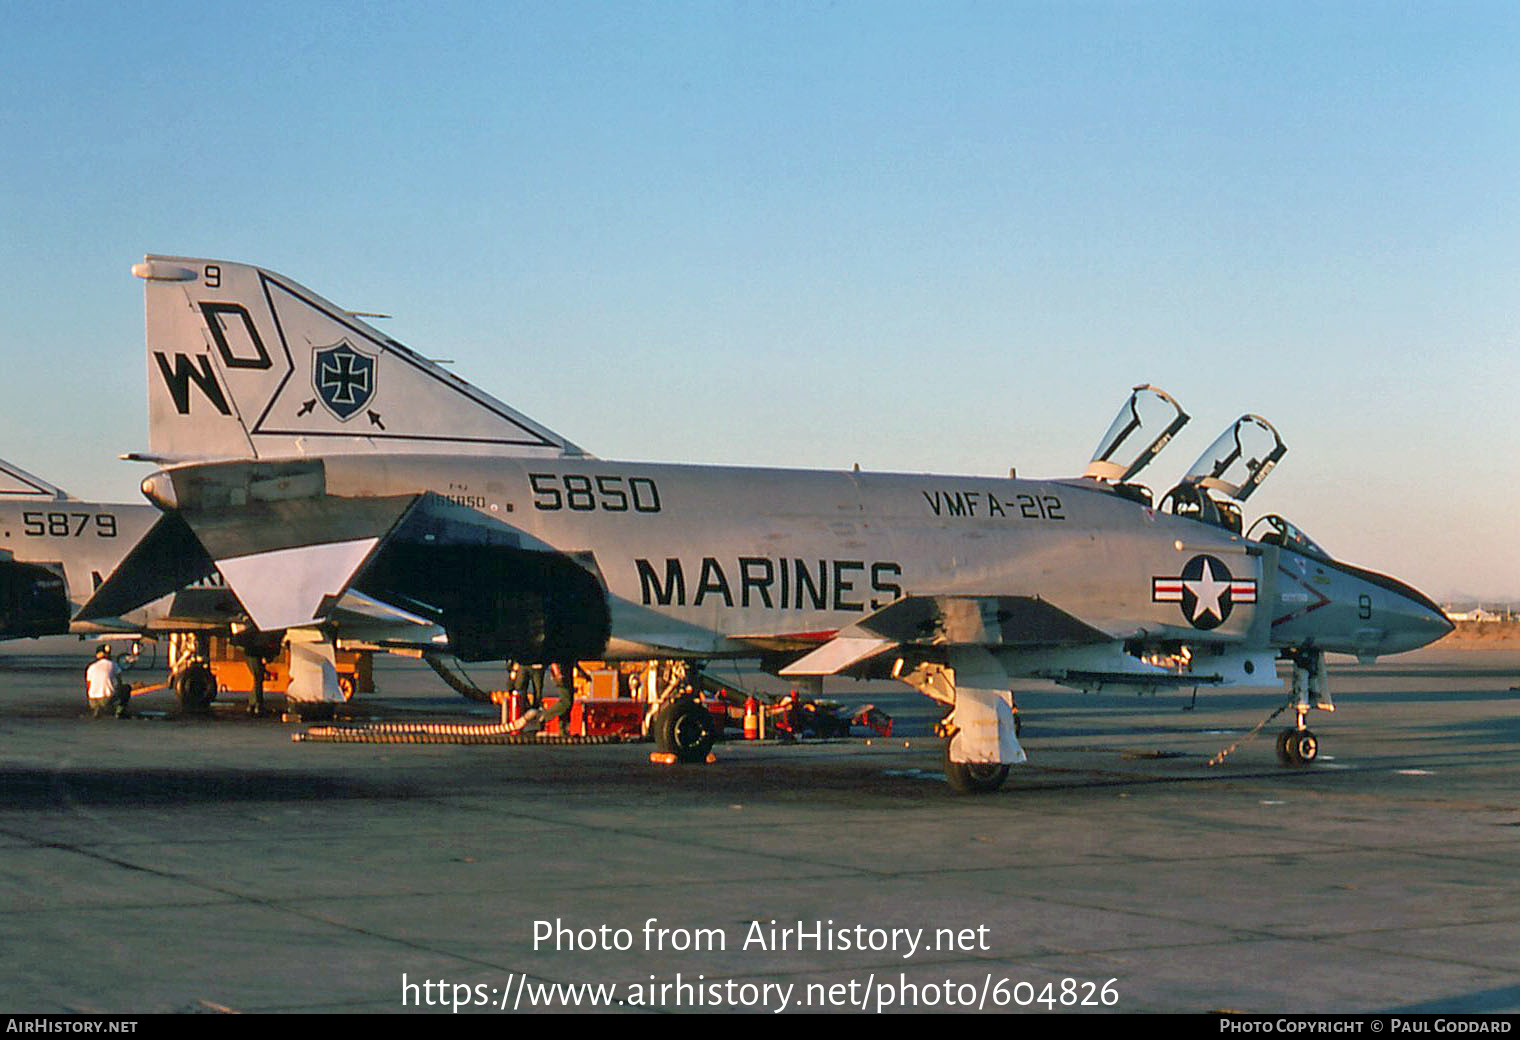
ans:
(1030, 638)
(1012, 622)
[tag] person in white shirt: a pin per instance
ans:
(103, 685)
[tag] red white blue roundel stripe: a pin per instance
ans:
(1206, 591)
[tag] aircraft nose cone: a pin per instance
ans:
(1415, 621)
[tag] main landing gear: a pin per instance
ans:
(680, 724)
(190, 675)
(684, 728)
(982, 726)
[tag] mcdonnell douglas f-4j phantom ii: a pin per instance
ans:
(55, 550)
(350, 489)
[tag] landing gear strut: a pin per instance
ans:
(681, 725)
(983, 723)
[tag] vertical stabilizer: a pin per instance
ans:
(243, 362)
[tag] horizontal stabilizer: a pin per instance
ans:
(285, 588)
(359, 606)
(281, 559)
(406, 570)
(289, 561)
(167, 559)
(262, 527)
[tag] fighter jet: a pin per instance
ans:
(55, 550)
(349, 488)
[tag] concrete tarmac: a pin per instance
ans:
(167, 864)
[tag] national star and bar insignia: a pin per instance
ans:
(1206, 590)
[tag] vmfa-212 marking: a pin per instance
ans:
(352, 487)
(975, 502)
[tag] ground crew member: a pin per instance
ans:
(527, 680)
(257, 660)
(104, 686)
(564, 672)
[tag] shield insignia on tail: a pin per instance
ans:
(344, 378)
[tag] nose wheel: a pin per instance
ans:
(1297, 747)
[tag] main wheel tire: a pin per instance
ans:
(974, 777)
(685, 729)
(195, 688)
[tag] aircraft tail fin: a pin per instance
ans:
(245, 363)
(17, 483)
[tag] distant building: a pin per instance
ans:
(1480, 613)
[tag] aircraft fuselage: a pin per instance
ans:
(81, 541)
(715, 560)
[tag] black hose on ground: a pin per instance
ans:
(459, 683)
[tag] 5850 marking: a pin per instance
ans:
(586, 494)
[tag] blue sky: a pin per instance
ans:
(920, 237)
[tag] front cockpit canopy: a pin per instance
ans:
(1145, 424)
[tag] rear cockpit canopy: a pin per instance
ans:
(1227, 474)
(1145, 424)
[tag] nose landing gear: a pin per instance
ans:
(1299, 746)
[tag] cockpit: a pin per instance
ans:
(1212, 491)
(1146, 424)
(1194, 503)
(1227, 474)
(1274, 530)
(1343, 608)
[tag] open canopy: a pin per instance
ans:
(1146, 423)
